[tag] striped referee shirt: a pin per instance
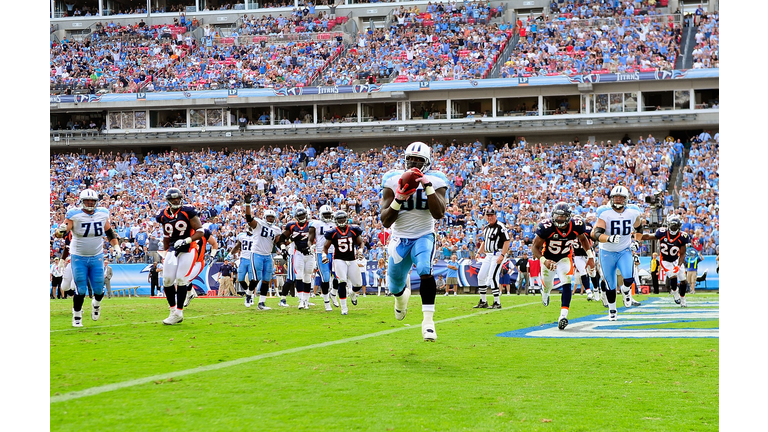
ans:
(495, 236)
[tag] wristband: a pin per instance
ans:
(430, 190)
(590, 254)
(395, 205)
(188, 240)
(247, 204)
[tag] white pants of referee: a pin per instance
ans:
(488, 276)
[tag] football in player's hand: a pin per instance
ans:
(409, 181)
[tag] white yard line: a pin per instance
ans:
(137, 323)
(139, 381)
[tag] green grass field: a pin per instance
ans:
(228, 368)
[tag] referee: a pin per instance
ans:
(495, 245)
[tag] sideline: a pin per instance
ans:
(131, 383)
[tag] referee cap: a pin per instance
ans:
(490, 211)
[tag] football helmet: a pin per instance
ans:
(561, 214)
(418, 155)
(326, 214)
(341, 218)
(300, 214)
(270, 214)
(248, 230)
(91, 196)
(619, 191)
(174, 197)
(674, 224)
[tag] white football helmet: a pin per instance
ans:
(89, 195)
(270, 213)
(619, 191)
(415, 151)
(326, 213)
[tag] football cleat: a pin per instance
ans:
(481, 305)
(590, 296)
(262, 306)
(301, 304)
(612, 316)
(344, 311)
(174, 318)
(627, 300)
(400, 315)
(77, 318)
(676, 296)
(283, 303)
(544, 297)
(683, 303)
(334, 299)
(496, 305)
(635, 303)
(353, 298)
(428, 331)
(328, 307)
(96, 311)
(562, 324)
(190, 295)
(248, 300)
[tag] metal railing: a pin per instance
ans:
(504, 55)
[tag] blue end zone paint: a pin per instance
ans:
(634, 322)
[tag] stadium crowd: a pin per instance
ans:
(521, 180)
(441, 41)
(556, 44)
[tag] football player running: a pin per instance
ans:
(244, 246)
(347, 241)
(553, 245)
(612, 231)
(319, 228)
(301, 262)
(580, 257)
(88, 225)
(411, 213)
(182, 229)
(672, 245)
(265, 232)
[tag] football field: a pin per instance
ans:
(231, 368)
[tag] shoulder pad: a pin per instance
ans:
(71, 213)
(389, 177)
(602, 209)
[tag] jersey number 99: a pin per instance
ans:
(180, 226)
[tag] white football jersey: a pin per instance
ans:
(320, 229)
(246, 245)
(87, 231)
(414, 219)
(619, 223)
(264, 237)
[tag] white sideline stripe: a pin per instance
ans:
(139, 381)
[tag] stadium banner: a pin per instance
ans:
(392, 87)
(137, 275)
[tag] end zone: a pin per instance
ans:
(655, 312)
